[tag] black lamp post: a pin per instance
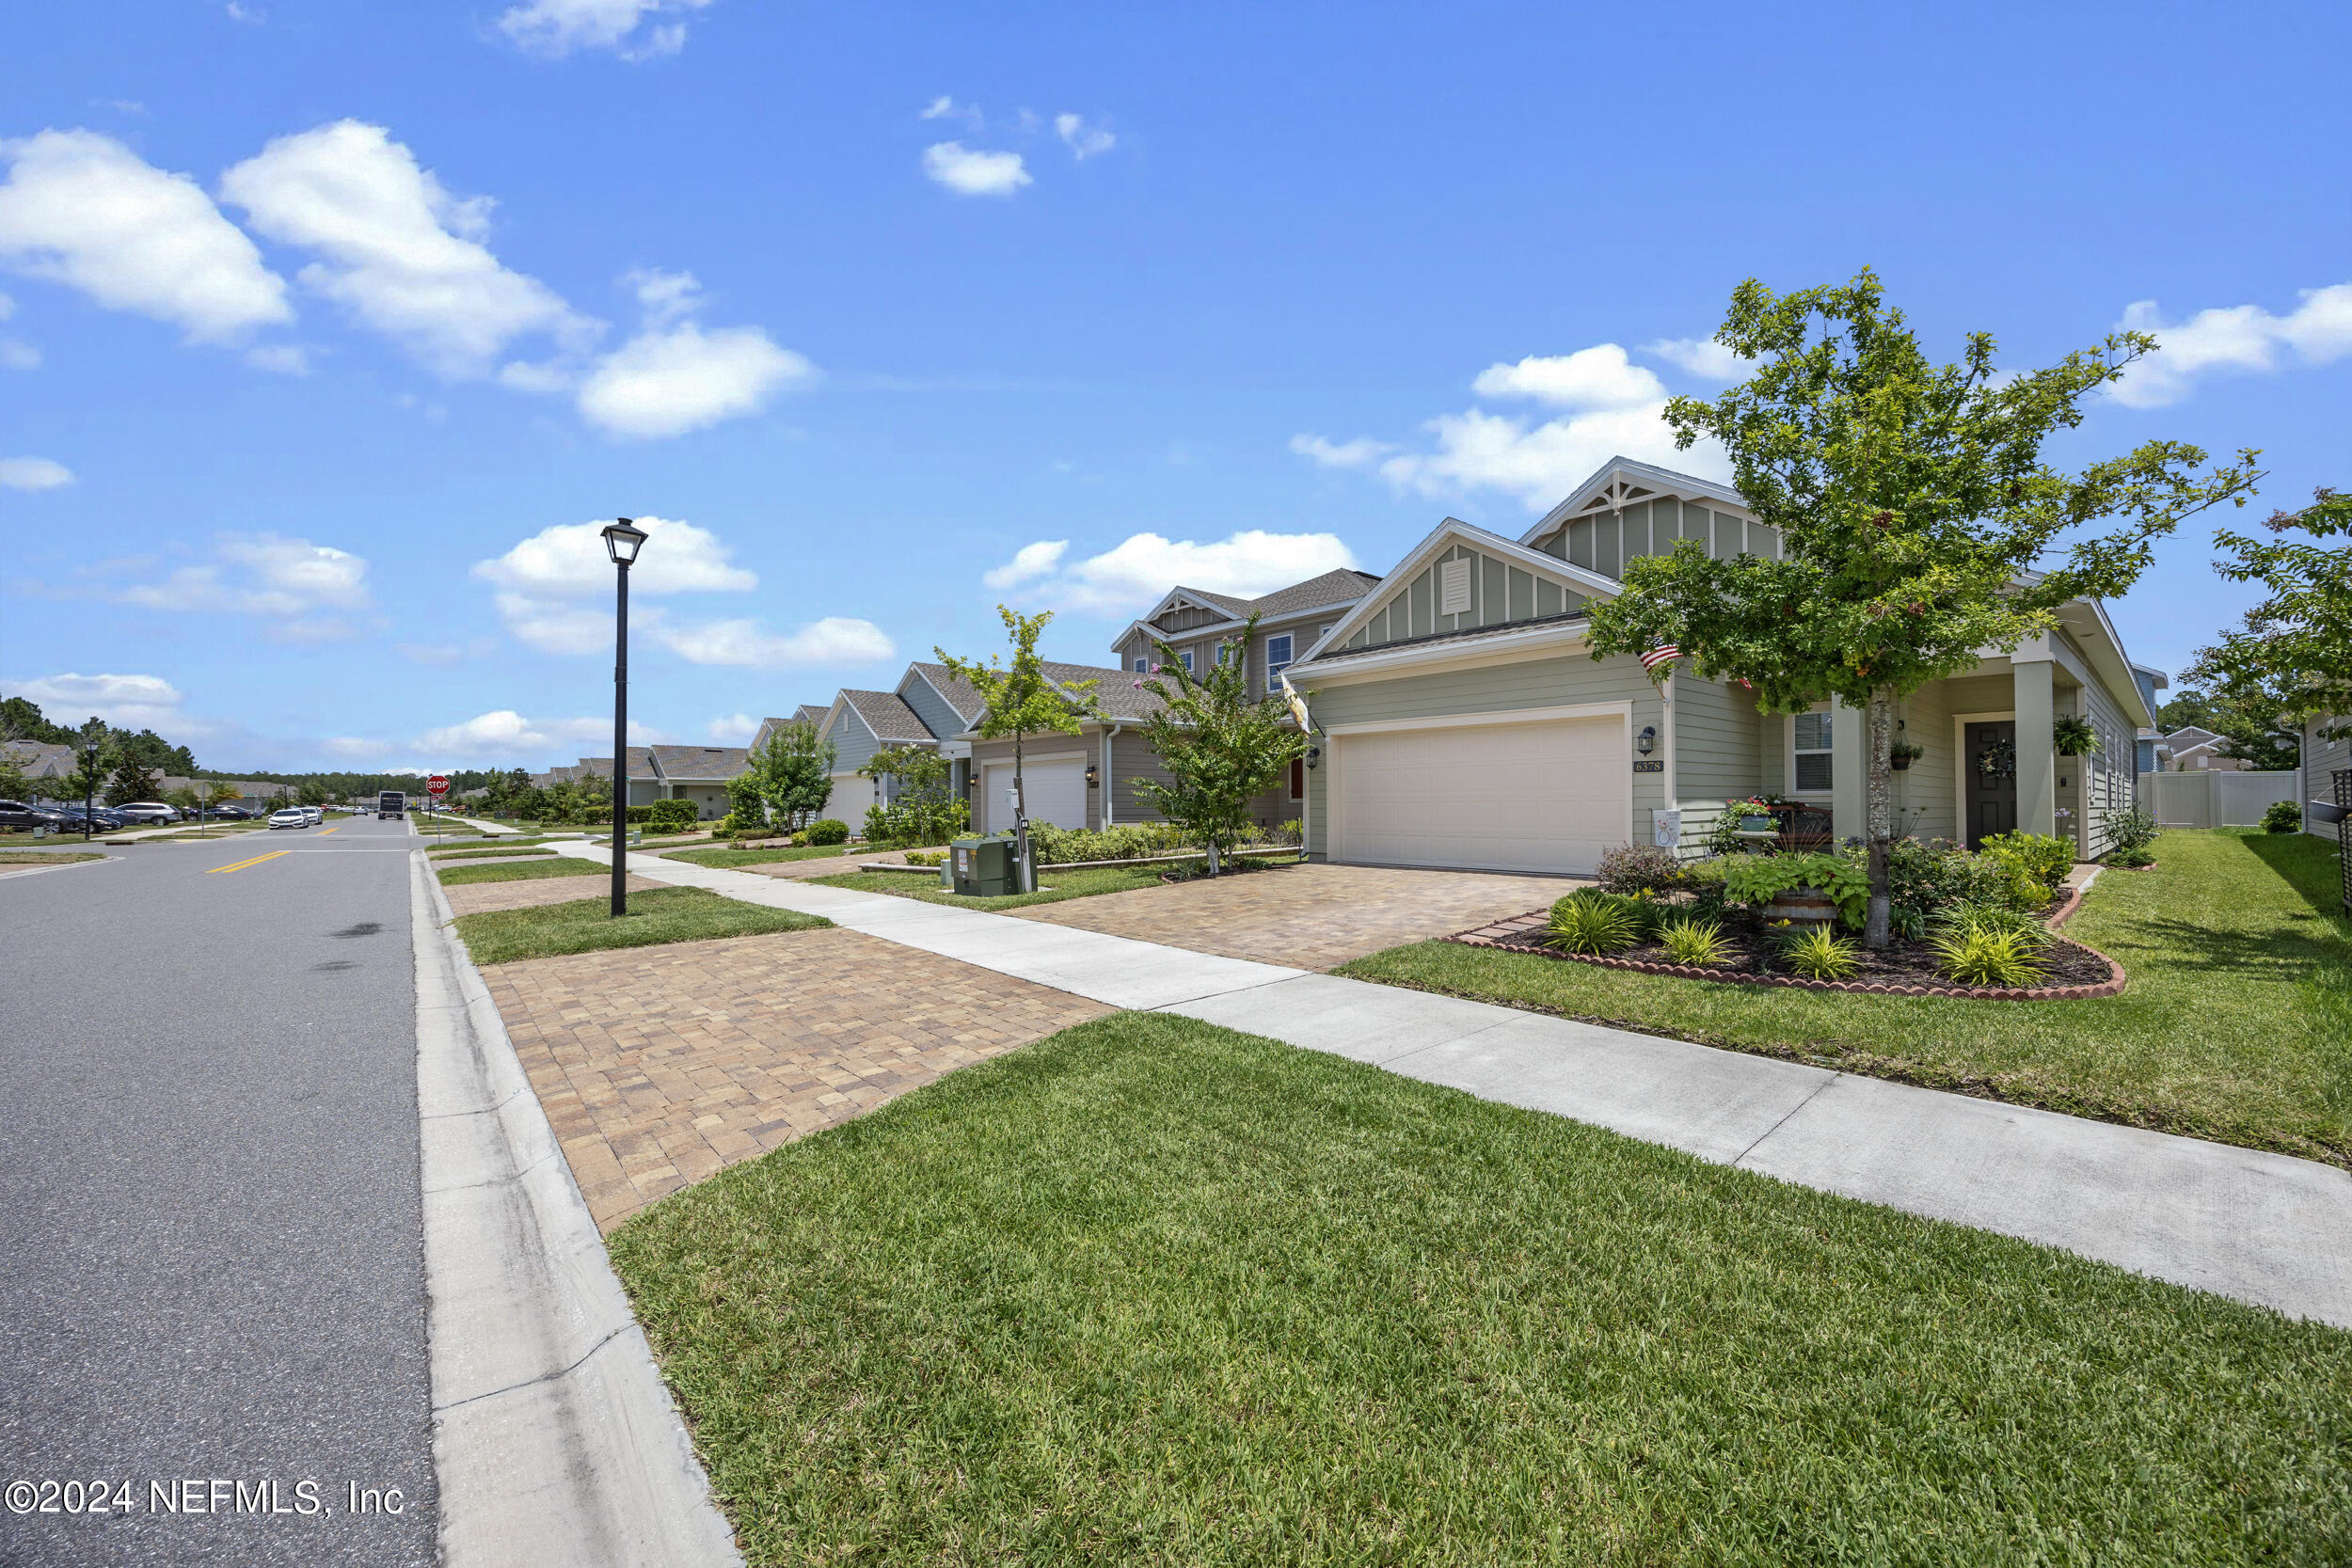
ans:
(622, 541)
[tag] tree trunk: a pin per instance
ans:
(1027, 874)
(1878, 812)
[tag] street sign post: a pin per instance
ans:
(437, 786)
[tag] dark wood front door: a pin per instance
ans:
(1989, 758)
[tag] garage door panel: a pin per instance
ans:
(1541, 796)
(1057, 793)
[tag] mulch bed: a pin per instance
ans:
(2073, 971)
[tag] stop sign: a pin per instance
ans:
(438, 784)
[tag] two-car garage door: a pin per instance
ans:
(1543, 795)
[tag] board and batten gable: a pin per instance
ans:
(1603, 542)
(1463, 589)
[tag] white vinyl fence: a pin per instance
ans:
(2207, 799)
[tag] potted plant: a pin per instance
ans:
(1902, 753)
(1755, 813)
(2074, 736)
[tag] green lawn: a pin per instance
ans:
(2236, 1024)
(522, 871)
(664, 915)
(1152, 1291)
(438, 856)
(46, 857)
(1055, 885)
(722, 856)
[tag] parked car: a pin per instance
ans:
(149, 811)
(315, 815)
(232, 814)
(16, 814)
(292, 816)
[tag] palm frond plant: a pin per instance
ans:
(1597, 927)
(1821, 954)
(1984, 954)
(1698, 944)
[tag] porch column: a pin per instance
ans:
(1849, 771)
(2035, 702)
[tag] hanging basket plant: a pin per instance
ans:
(2074, 736)
(1902, 753)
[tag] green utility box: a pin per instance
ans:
(983, 868)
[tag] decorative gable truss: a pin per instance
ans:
(1632, 509)
(1462, 580)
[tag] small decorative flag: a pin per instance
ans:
(1661, 654)
(1298, 704)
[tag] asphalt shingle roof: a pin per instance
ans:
(887, 715)
(807, 713)
(696, 763)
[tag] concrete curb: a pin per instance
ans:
(553, 1436)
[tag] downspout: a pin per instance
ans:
(1667, 748)
(1109, 813)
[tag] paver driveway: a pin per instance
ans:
(1314, 916)
(658, 1066)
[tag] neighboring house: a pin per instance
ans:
(1462, 722)
(2193, 750)
(2322, 759)
(696, 773)
(1197, 626)
(2150, 751)
(859, 724)
(41, 759)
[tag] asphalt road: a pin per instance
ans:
(211, 1264)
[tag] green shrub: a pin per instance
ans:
(1993, 917)
(1696, 943)
(1976, 952)
(2132, 859)
(1819, 954)
(1640, 868)
(2046, 860)
(2132, 829)
(1757, 878)
(827, 830)
(1599, 926)
(669, 816)
(2284, 816)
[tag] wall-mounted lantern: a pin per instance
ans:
(1314, 756)
(1094, 777)
(1647, 740)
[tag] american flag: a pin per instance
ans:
(1661, 654)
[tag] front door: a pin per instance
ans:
(1988, 755)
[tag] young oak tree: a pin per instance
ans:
(1219, 748)
(2292, 657)
(1023, 701)
(1915, 509)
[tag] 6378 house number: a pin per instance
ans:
(1659, 766)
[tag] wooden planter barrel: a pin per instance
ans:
(1802, 907)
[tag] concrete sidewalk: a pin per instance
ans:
(2265, 1228)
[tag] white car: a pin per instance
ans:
(292, 816)
(315, 815)
(150, 810)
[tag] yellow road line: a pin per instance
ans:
(255, 861)
(336, 828)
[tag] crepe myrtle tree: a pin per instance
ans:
(1219, 748)
(2292, 657)
(1022, 700)
(1915, 511)
(793, 772)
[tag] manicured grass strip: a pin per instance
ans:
(1152, 1291)
(46, 857)
(1056, 885)
(2237, 1024)
(720, 855)
(436, 856)
(666, 915)
(522, 871)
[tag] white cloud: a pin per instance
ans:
(33, 473)
(557, 27)
(1595, 377)
(401, 253)
(938, 108)
(734, 729)
(1031, 561)
(665, 296)
(17, 354)
(1700, 357)
(2239, 337)
(1083, 140)
(283, 358)
(969, 172)
(252, 15)
(83, 210)
(1134, 573)
(833, 641)
(503, 734)
(1614, 408)
(668, 382)
(132, 702)
(569, 559)
(1359, 454)
(296, 585)
(553, 626)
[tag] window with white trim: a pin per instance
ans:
(1186, 657)
(1143, 666)
(1809, 750)
(1277, 659)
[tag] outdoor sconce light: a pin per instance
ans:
(1646, 740)
(1094, 777)
(1314, 756)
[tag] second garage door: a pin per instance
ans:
(1549, 795)
(1057, 792)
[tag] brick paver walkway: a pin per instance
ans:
(659, 1065)
(1312, 916)
(475, 897)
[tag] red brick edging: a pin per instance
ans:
(1497, 934)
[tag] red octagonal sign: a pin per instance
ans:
(438, 784)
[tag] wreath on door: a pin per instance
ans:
(1999, 759)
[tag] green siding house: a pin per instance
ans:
(1462, 722)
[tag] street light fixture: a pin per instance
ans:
(623, 539)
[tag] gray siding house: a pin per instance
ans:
(1462, 722)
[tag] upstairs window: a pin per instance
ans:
(1810, 733)
(1143, 666)
(1277, 659)
(1186, 658)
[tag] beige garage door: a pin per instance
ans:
(1545, 796)
(852, 794)
(1057, 790)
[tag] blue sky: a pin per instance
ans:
(329, 328)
